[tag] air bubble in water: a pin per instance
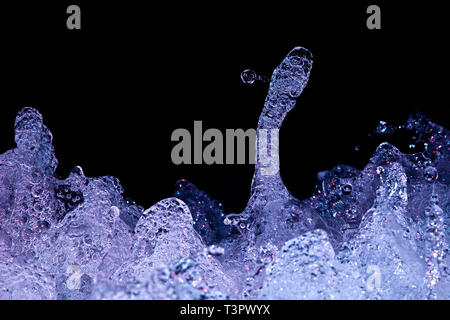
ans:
(347, 189)
(430, 173)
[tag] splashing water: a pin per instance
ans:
(377, 233)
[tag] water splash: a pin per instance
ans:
(377, 233)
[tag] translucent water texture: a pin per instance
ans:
(377, 233)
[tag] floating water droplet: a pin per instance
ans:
(382, 127)
(430, 173)
(248, 76)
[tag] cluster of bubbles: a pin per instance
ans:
(377, 233)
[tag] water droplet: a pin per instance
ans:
(382, 127)
(248, 76)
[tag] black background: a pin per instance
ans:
(171, 309)
(113, 92)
